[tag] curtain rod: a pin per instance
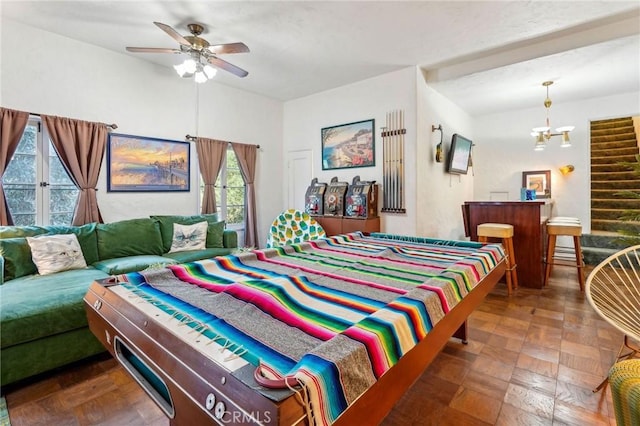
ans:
(194, 138)
(111, 126)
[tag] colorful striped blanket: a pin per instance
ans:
(332, 315)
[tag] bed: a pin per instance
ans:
(321, 332)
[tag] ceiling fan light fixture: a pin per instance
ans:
(200, 53)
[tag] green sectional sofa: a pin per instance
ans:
(43, 324)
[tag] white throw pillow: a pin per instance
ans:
(55, 253)
(189, 237)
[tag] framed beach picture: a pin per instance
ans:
(348, 145)
(538, 181)
(142, 164)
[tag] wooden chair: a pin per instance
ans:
(564, 226)
(504, 232)
(613, 290)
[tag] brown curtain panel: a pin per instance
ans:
(211, 154)
(12, 125)
(80, 146)
(246, 155)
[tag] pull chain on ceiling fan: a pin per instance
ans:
(201, 53)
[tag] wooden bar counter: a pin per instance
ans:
(528, 219)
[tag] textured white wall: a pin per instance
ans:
(504, 150)
(45, 73)
(372, 98)
(440, 194)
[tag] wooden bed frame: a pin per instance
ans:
(191, 378)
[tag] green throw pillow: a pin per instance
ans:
(215, 232)
(133, 237)
(17, 258)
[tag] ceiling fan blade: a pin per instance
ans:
(173, 33)
(228, 48)
(227, 66)
(152, 50)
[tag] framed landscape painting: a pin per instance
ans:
(348, 145)
(142, 164)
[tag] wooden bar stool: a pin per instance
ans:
(564, 226)
(504, 232)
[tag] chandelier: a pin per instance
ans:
(543, 134)
(196, 66)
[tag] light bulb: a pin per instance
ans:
(210, 71)
(189, 66)
(540, 144)
(200, 77)
(180, 69)
(567, 169)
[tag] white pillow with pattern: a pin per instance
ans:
(55, 253)
(189, 237)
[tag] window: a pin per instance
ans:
(229, 190)
(36, 184)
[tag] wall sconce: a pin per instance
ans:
(439, 150)
(566, 169)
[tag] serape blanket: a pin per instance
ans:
(333, 315)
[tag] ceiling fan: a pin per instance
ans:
(198, 49)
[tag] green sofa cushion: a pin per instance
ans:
(21, 231)
(27, 359)
(132, 237)
(36, 306)
(193, 255)
(214, 232)
(17, 258)
(122, 265)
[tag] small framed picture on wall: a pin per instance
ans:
(538, 181)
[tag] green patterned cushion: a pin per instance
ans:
(293, 227)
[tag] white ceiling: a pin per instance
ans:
(487, 56)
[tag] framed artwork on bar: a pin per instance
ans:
(142, 164)
(538, 181)
(348, 145)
